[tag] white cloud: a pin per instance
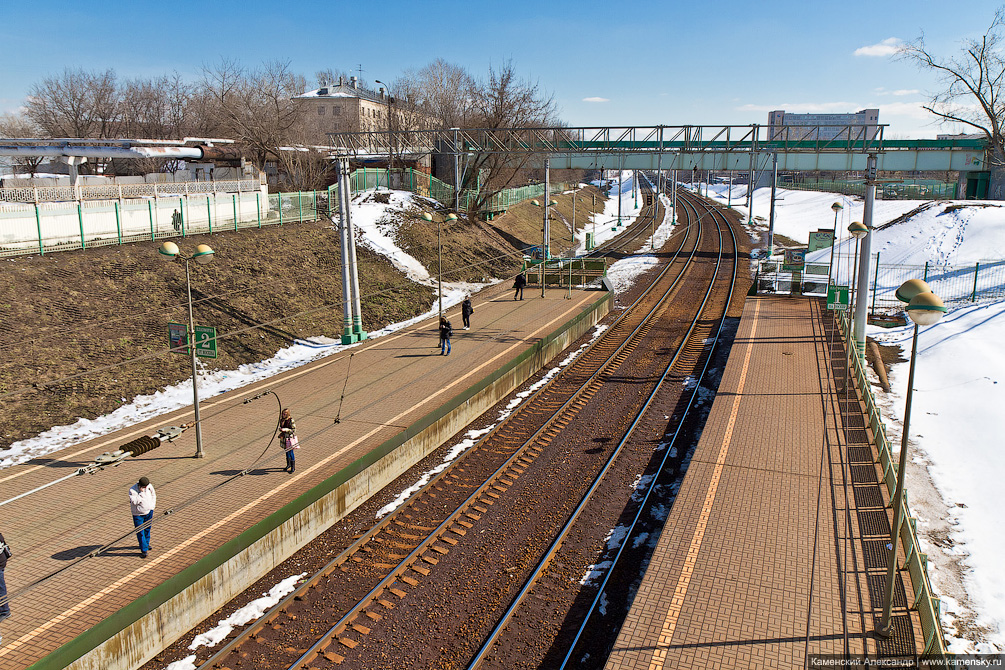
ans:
(596, 99)
(887, 47)
(907, 91)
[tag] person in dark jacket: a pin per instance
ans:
(466, 311)
(4, 602)
(445, 332)
(288, 439)
(518, 284)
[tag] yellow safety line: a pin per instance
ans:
(684, 580)
(125, 579)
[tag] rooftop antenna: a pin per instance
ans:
(359, 68)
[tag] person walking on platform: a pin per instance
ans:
(4, 600)
(466, 311)
(445, 332)
(142, 502)
(518, 284)
(288, 439)
(176, 221)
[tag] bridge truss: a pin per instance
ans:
(798, 148)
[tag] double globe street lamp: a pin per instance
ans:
(203, 254)
(924, 308)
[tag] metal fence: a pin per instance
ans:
(957, 285)
(407, 179)
(122, 191)
(925, 601)
(157, 211)
(907, 190)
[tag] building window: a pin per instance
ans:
(336, 111)
(321, 110)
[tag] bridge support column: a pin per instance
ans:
(352, 322)
(862, 292)
(771, 215)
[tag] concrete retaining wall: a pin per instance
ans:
(137, 632)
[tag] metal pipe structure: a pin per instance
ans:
(66, 149)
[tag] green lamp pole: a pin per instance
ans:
(925, 308)
(203, 255)
(837, 207)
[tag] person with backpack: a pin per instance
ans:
(518, 284)
(466, 311)
(445, 332)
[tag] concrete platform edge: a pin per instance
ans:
(141, 629)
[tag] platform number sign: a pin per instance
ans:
(837, 297)
(205, 340)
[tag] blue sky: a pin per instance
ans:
(605, 63)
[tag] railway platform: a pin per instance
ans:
(775, 548)
(401, 401)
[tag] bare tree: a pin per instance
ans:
(504, 101)
(19, 125)
(972, 95)
(257, 109)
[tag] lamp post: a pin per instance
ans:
(858, 231)
(390, 136)
(837, 207)
(546, 245)
(203, 254)
(925, 308)
(439, 246)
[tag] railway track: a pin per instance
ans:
(502, 504)
(590, 623)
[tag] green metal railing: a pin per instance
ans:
(368, 179)
(918, 189)
(957, 285)
(925, 601)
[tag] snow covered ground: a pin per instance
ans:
(957, 459)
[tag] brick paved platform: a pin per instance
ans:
(775, 546)
(400, 392)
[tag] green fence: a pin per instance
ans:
(913, 189)
(45, 227)
(925, 601)
(367, 179)
(957, 285)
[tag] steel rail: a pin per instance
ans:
(406, 563)
(587, 497)
(643, 504)
(216, 659)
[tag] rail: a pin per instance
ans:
(926, 603)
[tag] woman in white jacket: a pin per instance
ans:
(142, 501)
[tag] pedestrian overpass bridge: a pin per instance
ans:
(796, 148)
